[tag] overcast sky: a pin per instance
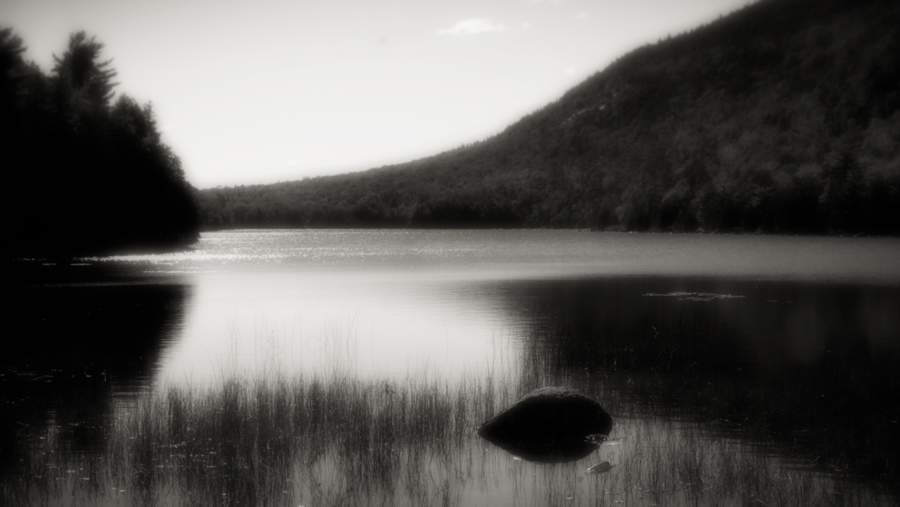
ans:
(255, 91)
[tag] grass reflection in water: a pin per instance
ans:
(341, 440)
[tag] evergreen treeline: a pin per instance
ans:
(781, 117)
(84, 175)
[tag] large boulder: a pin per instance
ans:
(551, 424)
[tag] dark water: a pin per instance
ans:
(74, 351)
(802, 362)
(810, 367)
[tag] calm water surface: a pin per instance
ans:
(801, 333)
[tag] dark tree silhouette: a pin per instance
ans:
(80, 71)
(87, 177)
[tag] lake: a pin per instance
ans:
(736, 368)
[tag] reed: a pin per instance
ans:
(340, 440)
(335, 438)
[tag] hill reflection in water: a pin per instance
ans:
(809, 365)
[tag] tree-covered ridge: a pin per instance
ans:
(85, 175)
(781, 117)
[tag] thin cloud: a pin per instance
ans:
(472, 27)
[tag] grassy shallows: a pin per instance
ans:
(262, 443)
(339, 440)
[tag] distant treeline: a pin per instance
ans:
(782, 117)
(84, 175)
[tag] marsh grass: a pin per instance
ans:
(341, 440)
(335, 438)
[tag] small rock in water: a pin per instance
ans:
(599, 468)
(551, 424)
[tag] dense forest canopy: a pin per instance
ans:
(86, 175)
(781, 117)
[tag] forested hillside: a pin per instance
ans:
(84, 175)
(782, 117)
